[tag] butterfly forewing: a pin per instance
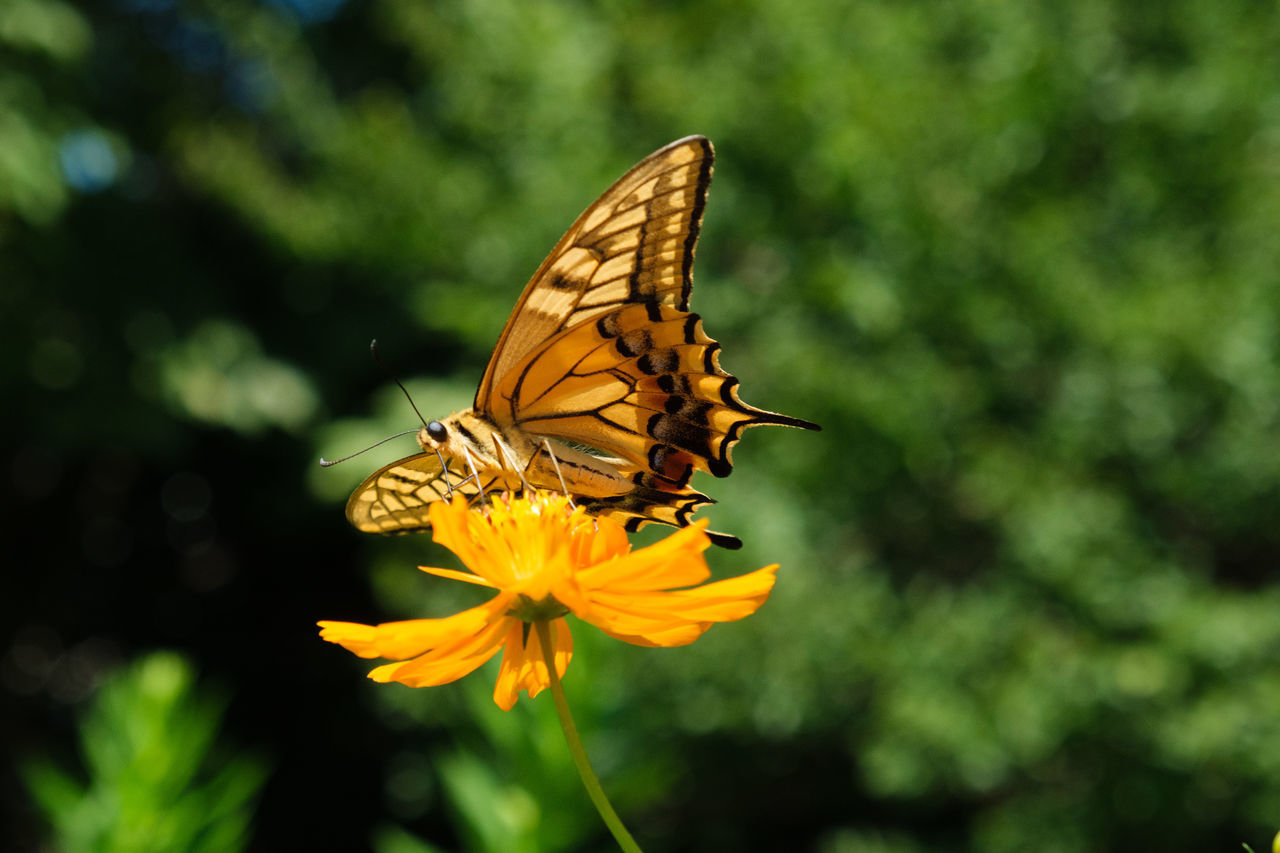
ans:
(634, 244)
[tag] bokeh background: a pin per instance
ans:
(1020, 260)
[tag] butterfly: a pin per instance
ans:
(603, 384)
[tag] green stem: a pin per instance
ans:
(589, 780)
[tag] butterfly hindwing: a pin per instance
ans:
(396, 497)
(647, 502)
(642, 382)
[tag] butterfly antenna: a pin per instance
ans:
(325, 463)
(373, 349)
(556, 464)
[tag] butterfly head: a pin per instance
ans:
(459, 435)
(433, 436)
(445, 438)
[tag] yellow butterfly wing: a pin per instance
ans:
(396, 497)
(634, 244)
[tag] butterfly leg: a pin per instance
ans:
(564, 490)
(510, 457)
(475, 475)
(444, 466)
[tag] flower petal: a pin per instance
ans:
(400, 640)
(597, 540)
(465, 577)
(522, 665)
(468, 534)
(681, 635)
(673, 562)
(448, 662)
(678, 617)
(441, 650)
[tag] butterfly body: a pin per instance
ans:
(515, 457)
(603, 383)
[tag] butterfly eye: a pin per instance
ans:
(437, 431)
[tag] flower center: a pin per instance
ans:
(542, 610)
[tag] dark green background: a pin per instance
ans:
(1020, 260)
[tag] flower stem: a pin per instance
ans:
(589, 780)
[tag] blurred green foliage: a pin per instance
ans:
(1019, 260)
(155, 781)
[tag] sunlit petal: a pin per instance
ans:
(450, 662)
(598, 540)
(400, 640)
(666, 618)
(665, 637)
(465, 533)
(451, 574)
(673, 562)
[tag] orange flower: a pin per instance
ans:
(547, 559)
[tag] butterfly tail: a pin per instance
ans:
(654, 501)
(775, 419)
